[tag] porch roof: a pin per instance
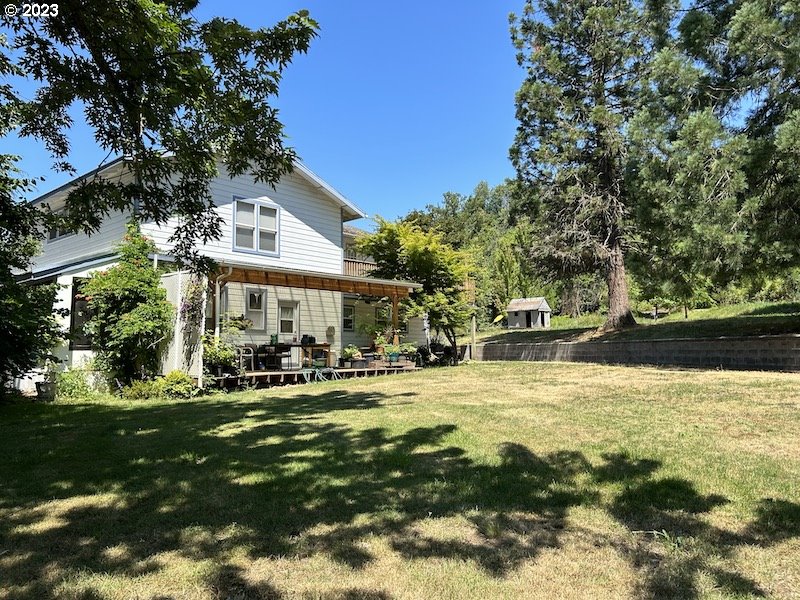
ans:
(296, 278)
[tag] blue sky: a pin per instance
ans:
(393, 105)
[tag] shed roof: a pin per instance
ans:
(537, 303)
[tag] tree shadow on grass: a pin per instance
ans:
(107, 489)
(674, 542)
(104, 489)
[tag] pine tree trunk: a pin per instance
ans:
(619, 310)
(571, 299)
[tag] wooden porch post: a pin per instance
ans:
(396, 339)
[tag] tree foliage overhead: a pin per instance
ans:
(404, 251)
(584, 64)
(29, 328)
(131, 320)
(170, 93)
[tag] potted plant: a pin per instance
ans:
(46, 390)
(218, 355)
(380, 343)
(392, 352)
(349, 353)
(409, 350)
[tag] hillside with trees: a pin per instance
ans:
(657, 165)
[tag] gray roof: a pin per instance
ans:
(537, 303)
(351, 211)
(352, 230)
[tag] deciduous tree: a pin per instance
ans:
(29, 328)
(404, 251)
(170, 93)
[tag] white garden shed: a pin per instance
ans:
(528, 313)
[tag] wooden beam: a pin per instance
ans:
(315, 281)
(395, 320)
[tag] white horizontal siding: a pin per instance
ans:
(310, 225)
(72, 248)
(318, 310)
(365, 321)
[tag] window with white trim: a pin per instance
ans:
(348, 317)
(56, 233)
(287, 318)
(256, 306)
(255, 227)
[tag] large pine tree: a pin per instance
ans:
(751, 51)
(584, 62)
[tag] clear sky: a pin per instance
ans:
(394, 104)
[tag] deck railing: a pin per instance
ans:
(358, 268)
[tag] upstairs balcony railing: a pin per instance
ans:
(358, 268)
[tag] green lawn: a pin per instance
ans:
(752, 318)
(489, 480)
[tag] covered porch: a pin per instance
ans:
(302, 303)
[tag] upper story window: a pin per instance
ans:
(255, 227)
(56, 233)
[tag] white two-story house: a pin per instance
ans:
(282, 265)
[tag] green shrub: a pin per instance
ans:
(177, 384)
(131, 319)
(142, 390)
(73, 383)
(350, 352)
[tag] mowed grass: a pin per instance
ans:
(489, 480)
(747, 319)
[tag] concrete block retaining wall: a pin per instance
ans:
(764, 353)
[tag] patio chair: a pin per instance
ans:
(246, 357)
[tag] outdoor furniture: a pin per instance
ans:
(246, 357)
(274, 354)
(307, 352)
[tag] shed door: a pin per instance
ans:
(541, 318)
(528, 322)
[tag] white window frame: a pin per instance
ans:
(257, 205)
(295, 306)
(60, 233)
(248, 312)
(352, 308)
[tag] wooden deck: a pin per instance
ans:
(295, 376)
